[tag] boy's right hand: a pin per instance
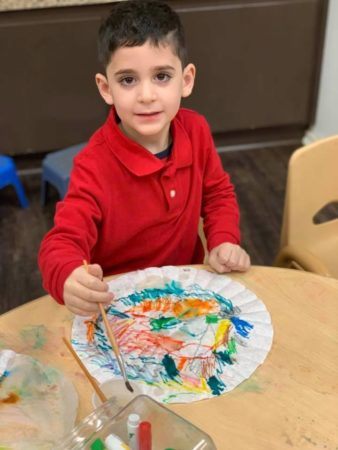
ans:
(84, 289)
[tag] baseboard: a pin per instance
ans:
(258, 145)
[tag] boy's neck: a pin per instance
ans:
(154, 144)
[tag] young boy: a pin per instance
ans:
(140, 186)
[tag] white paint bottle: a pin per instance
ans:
(113, 442)
(132, 427)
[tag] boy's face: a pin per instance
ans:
(145, 84)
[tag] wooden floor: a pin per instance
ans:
(259, 177)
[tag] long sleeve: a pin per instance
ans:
(219, 204)
(75, 230)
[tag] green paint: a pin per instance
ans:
(224, 357)
(211, 318)
(232, 346)
(250, 385)
(34, 335)
(163, 323)
(170, 366)
(188, 311)
(216, 386)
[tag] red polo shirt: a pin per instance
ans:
(126, 209)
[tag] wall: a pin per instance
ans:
(326, 121)
(258, 65)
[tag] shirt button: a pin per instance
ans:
(172, 193)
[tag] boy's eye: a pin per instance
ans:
(162, 77)
(127, 81)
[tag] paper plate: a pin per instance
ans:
(185, 334)
(38, 405)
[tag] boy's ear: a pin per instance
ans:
(103, 87)
(189, 73)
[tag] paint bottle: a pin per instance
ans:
(113, 442)
(132, 427)
(144, 436)
(97, 445)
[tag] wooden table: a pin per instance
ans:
(291, 401)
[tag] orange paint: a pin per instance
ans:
(194, 307)
(90, 329)
(186, 309)
(181, 363)
(11, 398)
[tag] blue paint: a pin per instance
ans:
(216, 386)
(4, 375)
(170, 366)
(242, 326)
(223, 357)
(172, 288)
(225, 303)
(114, 312)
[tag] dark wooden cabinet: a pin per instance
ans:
(257, 70)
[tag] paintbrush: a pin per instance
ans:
(113, 342)
(92, 381)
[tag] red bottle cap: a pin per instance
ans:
(144, 436)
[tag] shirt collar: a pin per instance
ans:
(138, 159)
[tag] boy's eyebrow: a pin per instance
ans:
(124, 71)
(132, 71)
(167, 67)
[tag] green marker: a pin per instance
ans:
(97, 445)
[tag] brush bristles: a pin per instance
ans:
(128, 385)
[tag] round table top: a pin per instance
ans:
(291, 400)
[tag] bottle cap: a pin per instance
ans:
(133, 419)
(113, 442)
(97, 445)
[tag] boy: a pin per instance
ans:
(139, 187)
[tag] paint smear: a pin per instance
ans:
(12, 397)
(163, 323)
(251, 385)
(242, 326)
(170, 367)
(216, 386)
(35, 336)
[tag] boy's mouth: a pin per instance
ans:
(149, 114)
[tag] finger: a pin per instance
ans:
(217, 265)
(92, 282)
(77, 303)
(77, 311)
(224, 254)
(229, 258)
(95, 270)
(91, 295)
(244, 263)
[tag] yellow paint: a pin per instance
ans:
(221, 333)
(204, 384)
(187, 387)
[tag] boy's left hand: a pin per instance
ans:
(227, 257)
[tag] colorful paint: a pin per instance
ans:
(185, 334)
(34, 335)
(38, 405)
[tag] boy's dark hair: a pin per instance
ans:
(133, 22)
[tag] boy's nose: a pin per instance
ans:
(146, 93)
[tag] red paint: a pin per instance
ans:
(144, 436)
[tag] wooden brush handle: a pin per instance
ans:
(92, 381)
(109, 332)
